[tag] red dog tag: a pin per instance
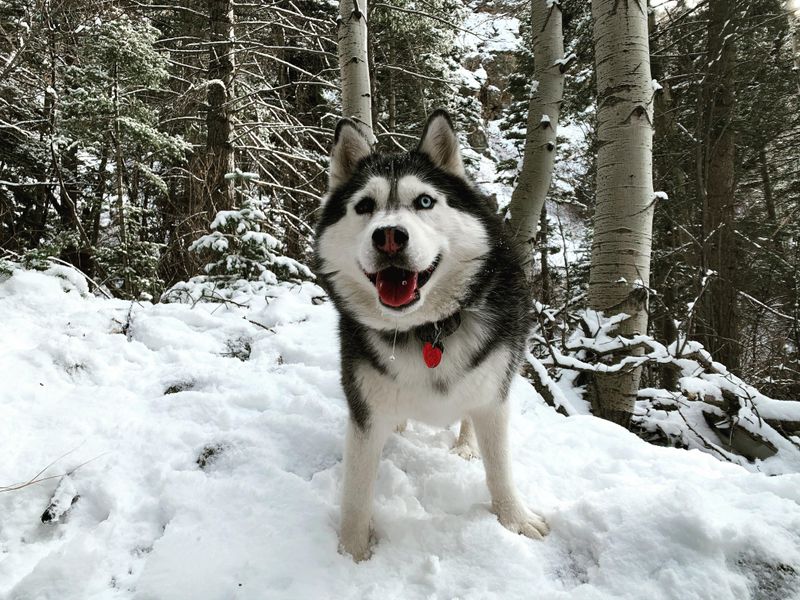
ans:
(432, 355)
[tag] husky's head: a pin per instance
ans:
(402, 237)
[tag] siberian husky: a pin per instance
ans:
(434, 311)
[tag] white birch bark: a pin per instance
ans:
(543, 111)
(354, 66)
(624, 210)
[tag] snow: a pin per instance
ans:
(215, 240)
(262, 239)
(560, 397)
(472, 80)
(142, 395)
(490, 32)
(486, 176)
(69, 279)
(779, 409)
(566, 60)
(223, 216)
(215, 82)
(242, 175)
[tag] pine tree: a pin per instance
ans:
(243, 256)
(86, 85)
(764, 117)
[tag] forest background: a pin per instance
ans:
(151, 144)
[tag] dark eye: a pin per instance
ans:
(424, 202)
(365, 206)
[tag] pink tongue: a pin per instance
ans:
(396, 287)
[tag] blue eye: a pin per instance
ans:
(424, 202)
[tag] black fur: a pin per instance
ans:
(498, 294)
(355, 347)
(460, 193)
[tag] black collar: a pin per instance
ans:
(438, 330)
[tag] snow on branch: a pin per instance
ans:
(710, 409)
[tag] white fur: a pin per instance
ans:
(440, 143)
(467, 444)
(409, 391)
(361, 456)
(459, 238)
(350, 148)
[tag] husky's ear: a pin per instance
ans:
(349, 147)
(440, 143)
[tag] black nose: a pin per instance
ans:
(390, 240)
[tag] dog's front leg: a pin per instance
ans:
(362, 453)
(491, 428)
(466, 445)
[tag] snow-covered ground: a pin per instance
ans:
(140, 394)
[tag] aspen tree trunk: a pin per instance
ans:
(373, 94)
(623, 217)
(392, 90)
(354, 65)
(547, 90)
(120, 166)
(718, 306)
(219, 149)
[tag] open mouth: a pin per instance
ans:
(398, 288)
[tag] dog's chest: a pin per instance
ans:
(411, 389)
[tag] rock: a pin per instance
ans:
(478, 139)
(64, 497)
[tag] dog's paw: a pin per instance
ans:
(533, 527)
(466, 451)
(524, 522)
(357, 544)
(400, 428)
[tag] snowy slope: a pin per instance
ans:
(85, 379)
